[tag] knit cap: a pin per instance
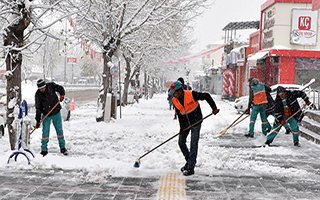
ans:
(41, 84)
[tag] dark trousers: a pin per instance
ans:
(190, 156)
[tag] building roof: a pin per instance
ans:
(242, 25)
(269, 3)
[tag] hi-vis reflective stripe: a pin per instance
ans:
(172, 187)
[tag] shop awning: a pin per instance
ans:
(252, 60)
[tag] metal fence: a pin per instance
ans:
(314, 96)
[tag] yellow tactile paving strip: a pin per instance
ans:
(172, 187)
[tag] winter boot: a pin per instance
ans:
(267, 143)
(44, 153)
(64, 151)
(188, 172)
(297, 144)
(184, 167)
(248, 135)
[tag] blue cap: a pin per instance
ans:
(174, 87)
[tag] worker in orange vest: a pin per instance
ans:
(258, 102)
(189, 112)
(287, 110)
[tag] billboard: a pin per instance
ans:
(304, 27)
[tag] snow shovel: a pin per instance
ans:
(223, 131)
(45, 116)
(280, 125)
(137, 162)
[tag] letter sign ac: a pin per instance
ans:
(304, 23)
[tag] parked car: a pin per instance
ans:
(65, 109)
(241, 103)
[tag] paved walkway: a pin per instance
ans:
(221, 184)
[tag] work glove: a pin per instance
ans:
(37, 124)
(308, 102)
(215, 111)
(61, 98)
(283, 122)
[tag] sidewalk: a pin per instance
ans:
(231, 167)
(221, 184)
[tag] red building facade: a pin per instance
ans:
(288, 43)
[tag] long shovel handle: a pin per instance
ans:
(280, 125)
(223, 132)
(235, 121)
(46, 116)
(192, 125)
(238, 122)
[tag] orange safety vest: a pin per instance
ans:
(260, 98)
(189, 103)
(287, 112)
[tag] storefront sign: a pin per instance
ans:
(268, 24)
(72, 60)
(304, 27)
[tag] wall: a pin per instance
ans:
(216, 56)
(287, 70)
(281, 27)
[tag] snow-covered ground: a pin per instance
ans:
(104, 149)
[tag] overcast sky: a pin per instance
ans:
(208, 27)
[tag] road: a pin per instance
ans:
(82, 95)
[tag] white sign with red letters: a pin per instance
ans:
(71, 60)
(304, 27)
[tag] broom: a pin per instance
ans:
(223, 131)
(137, 162)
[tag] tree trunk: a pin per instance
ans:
(145, 85)
(126, 80)
(14, 38)
(13, 94)
(106, 76)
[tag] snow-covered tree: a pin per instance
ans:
(22, 20)
(89, 67)
(109, 23)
